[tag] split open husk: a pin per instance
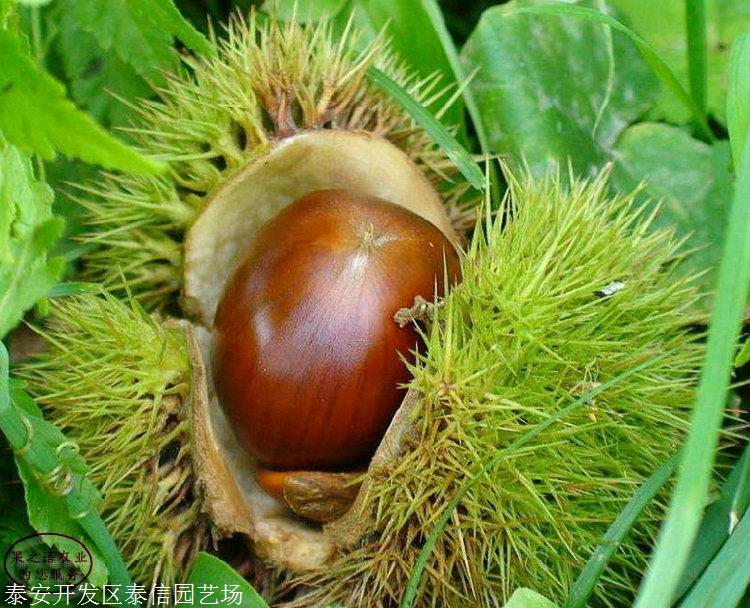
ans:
(304, 163)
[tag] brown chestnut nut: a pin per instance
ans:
(307, 354)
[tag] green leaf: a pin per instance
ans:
(47, 513)
(546, 88)
(99, 80)
(414, 38)
(140, 32)
(691, 491)
(44, 449)
(304, 10)
(738, 96)
(424, 554)
(726, 578)
(454, 150)
(27, 231)
(528, 598)
(652, 57)
(589, 577)
(663, 25)
(208, 569)
(691, 181)
(36, 116)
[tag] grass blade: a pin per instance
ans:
(438, 22)
(586, 582)
(424, 554)
(726, 578)
(741, 499)
(738, 96)
(695, 18)
(691, 491)
(660, 68)
(714, 529)
(455, 151)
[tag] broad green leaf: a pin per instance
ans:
(663, 25)
(208, 569)
(528, 598)
(648, 52)
(690, 180)
(27, 232)
(43, 448)
(738, 96)
(36, 116)
(549, 89)
(140, 32)
(452, 148)
(47, 513)
(99, 80)
(727, 576)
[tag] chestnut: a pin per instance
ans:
(307, 356)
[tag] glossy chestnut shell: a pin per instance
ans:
(307, 355)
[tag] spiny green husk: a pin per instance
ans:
(116, 381)
(268, 82)
(523, 335)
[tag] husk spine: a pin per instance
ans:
(116, 381)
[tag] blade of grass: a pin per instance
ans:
(691, 491)
(738, 96)
(726, 578)
(586, 581)
(454, 150)
(438, 23)
(695, 20)
(424, 554)
(660, 68)
(741, 499)
(44, 461)
(714, 529)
